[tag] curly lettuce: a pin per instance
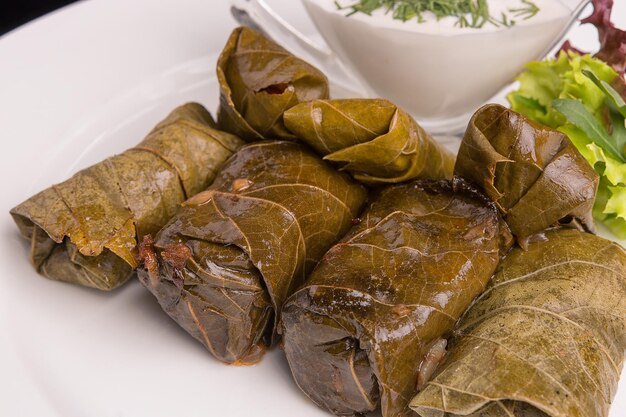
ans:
(583, 97)
(563, 77)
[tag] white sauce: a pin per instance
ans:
(548, 10)
(426, 68)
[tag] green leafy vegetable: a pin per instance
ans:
(563, 77)
(584, 98)
(614, 97)
(576, 114)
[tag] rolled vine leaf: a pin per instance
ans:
(534, 174)
(369, 325)
(85, 230)
(259, 80)
(546, 339)
(225, 263)
(372, 139)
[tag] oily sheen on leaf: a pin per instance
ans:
(546, 339)
(534, 174)
(223, 266)
(85, 229)
(367, 326)
(259, 80)
(374, 140)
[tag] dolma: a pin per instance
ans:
(374, 140)
(546, 339)
(258, 81)
(534, 174)
(85, 230)
(369, 320)
(223, 266)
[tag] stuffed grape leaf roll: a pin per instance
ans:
(534, 174)
(360, 332)
(223, 266)
(86, 230)
(546, 339)
(374, 140)
(258, 81)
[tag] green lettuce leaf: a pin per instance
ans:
(616, 202)
(617, 225)
(564, 77)
(614, 170)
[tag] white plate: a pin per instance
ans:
(75, 86)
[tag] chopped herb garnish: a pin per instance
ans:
(469, 13)
(530, 10)
(503, 21)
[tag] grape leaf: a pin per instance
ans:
(229, 258)
(545, 339)
(86, 229)
(373, 139)
(356, 334)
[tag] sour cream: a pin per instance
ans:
(436, 70)
(549, 11)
